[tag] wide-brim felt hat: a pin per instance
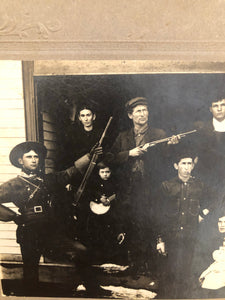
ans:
(18, 151)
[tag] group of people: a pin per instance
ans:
(131, 212)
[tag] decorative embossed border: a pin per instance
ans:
(36, 30)
(147, 29)
(105, 50)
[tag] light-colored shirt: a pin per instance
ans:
(219, 126)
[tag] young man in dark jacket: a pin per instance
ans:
(183, 203)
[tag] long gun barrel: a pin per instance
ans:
(181, 135)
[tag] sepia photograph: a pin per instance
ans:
(112, 182)
(112, 138)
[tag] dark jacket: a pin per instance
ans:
(180, 206)
(105, 226)
(210, 140)
(210, 146)
(76, 143)
(137, 189)
(38, 199)
(153, 159)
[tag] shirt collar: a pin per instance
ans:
(29, 176)
(141, 131)
(219, 126)
(191, 179)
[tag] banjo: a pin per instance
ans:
(99, 208)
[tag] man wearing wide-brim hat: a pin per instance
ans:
(139, 168)
(41, 227)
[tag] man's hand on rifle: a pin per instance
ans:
(137, 151)
(174, 140)
(96, 150)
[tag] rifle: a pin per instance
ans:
(90, 168)
(153, 143)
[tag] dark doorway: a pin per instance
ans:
(177, 100)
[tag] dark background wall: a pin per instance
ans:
(176, 100)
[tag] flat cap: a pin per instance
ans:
(18, 151)
(135, 101)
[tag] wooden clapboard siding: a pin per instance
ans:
(49, 138)
(51, 154)
(16, 113)
(9, 242)
(12, 132)
(5, 177)
(9, 133)
(12, 104)
(10, 226)
(49, 127)
(47, 117)
(10, 250)
(7, 234)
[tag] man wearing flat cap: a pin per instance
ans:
(139, 168)
(41, 227)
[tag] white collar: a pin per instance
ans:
(29, 176)
(219, 126)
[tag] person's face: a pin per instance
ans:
(86, 117)
(184, 168)
(218, 110)
(30, 160)
(104, 173)
(139, 115)
(221, 224)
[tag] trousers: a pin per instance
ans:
(56, 246)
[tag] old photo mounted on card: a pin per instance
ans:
(56, 96)
(148, 219)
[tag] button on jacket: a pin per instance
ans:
(180, 204)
